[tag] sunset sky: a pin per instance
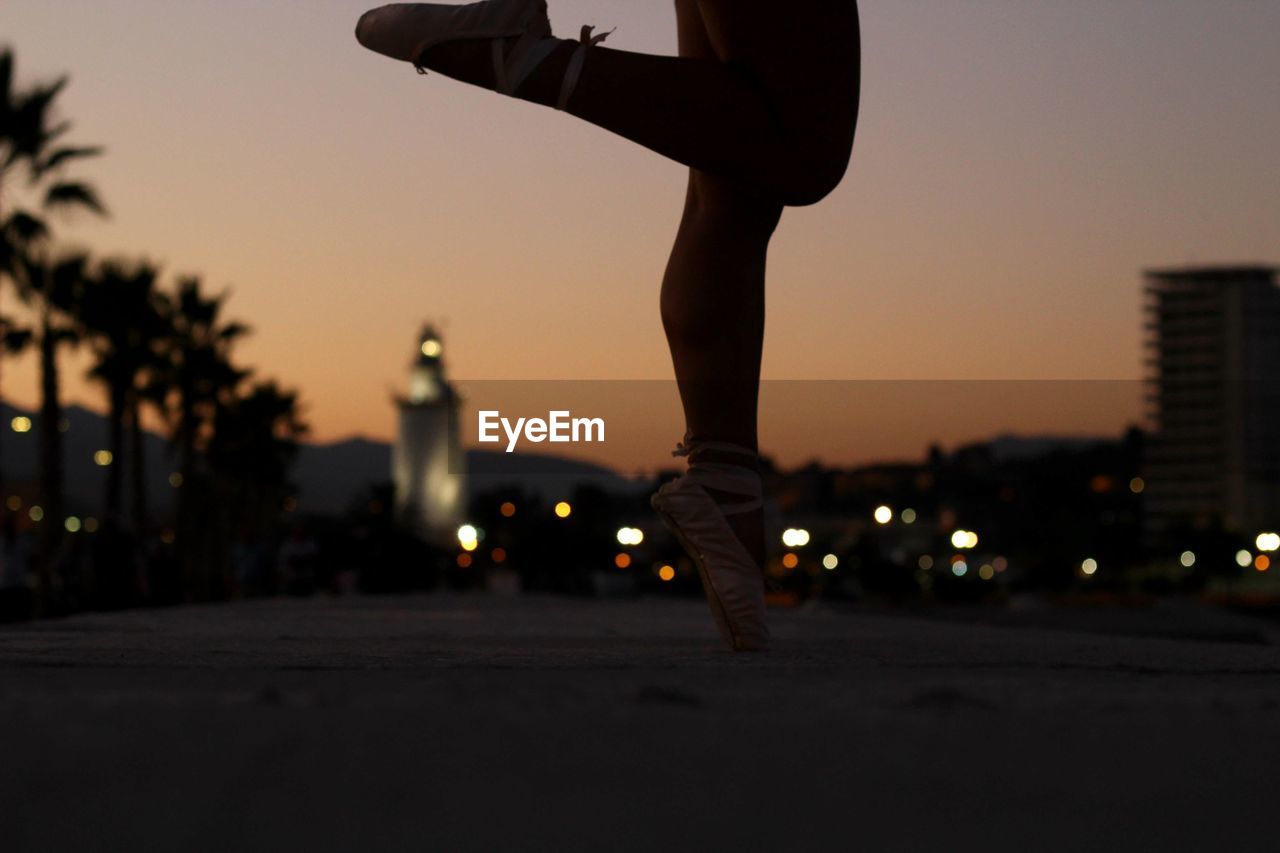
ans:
(1018, 163)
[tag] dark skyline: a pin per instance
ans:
(1084, 144)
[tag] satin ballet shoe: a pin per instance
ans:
(734, 584)
(406, 31)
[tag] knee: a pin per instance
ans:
(813, 178)
(715, 204)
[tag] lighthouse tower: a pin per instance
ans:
(427, 464)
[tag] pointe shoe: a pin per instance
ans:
(734, 584)
(406, 31)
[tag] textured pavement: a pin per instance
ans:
(460, 723)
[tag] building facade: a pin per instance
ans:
(1213, 394)
(428, 465)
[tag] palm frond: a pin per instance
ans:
(72, 195)
(61, 156)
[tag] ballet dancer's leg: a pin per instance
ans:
(713, 303)
(773, 105)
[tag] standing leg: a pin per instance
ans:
(713, 304)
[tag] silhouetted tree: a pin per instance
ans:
(120, 317)
(52, 286)
(32, 150)
(198, 377)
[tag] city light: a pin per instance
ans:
(667, 574)
(21, 424)
(73, 525)
(790, 561)
(964, 539)
(986, 572)
(14, 503)
(468, 537)
(630, 536)
(103, 458)
(795, 538)
(499, 556)
(1244, 559)
(1089, 567)
(1269, 542)
(926, 562)
(464, 561)
(909, 516)
(1262, 563)
(36, 514)
(563, 510)
(1137, 485)
(175, 480)
(622, 561)
(960, 568)
(1000, 564)
(1188, 559)
(831, 562)
(432, 348)
(884, 515)
(508, 510)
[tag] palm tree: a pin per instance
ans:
(119, 315)
(53, 287)
(255, 442)
(200, 378)
(31, 140)
(31, 147)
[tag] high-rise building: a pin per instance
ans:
(427, 462)
(1213, 389)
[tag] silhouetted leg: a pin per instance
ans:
(713, 306)
(713, 313)
(772, 103)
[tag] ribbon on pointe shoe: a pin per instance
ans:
(724, 477)
(574, 72)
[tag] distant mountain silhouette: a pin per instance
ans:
(330, 477)
(1009, 447)
(84, 436)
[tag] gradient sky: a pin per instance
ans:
(1018, 163)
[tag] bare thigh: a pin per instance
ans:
(804, 56)
(708, 191)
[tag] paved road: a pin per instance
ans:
(457, 723)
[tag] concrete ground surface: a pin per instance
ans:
(476, 723)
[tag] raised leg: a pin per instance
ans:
(772, 103)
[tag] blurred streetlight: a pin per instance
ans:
(793, 538)
(630, 536)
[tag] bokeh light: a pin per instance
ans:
(630, 536)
